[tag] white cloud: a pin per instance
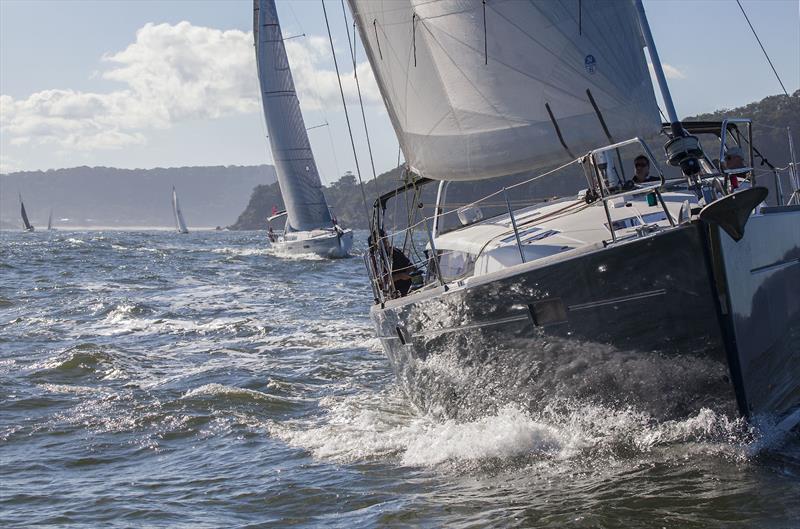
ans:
(172, 74)
(317, 87)
(671, 72)
(8, 164)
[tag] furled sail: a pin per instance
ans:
(476, 96)
(180, 224)
(299, 181)
(26, 225)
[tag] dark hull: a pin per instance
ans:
(636, 325)
(759, 279)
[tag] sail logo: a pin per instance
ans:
(590, 64)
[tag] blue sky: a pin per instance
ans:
(129, 96)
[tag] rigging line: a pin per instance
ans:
(346, 114)
(518, 184)
(485, 43)
(352, 45)
(377, 40)
(333, 150)
(354, 37)
(762, 48)
(414, 36)
(316, 94)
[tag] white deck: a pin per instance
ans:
(550, 229)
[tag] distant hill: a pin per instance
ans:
(771, 116)
(104, 196)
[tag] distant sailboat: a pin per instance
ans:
(308, 227)
(50, 221)
(180, 224)
(26, 225)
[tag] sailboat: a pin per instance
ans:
(26, 225)
(308, 227)
(180, 224)
(50, 221)
(666, 296)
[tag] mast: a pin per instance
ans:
(663, 87)
(683, 150)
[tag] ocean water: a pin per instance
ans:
(149, 379)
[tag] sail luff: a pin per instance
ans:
(295, 166)
(463, 111)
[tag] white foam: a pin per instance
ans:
(244, 252)
(367, 426)
(510, 433)
(294, 256)
(221, 389)
(362, 429)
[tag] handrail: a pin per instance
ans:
(384, 282)
(514, 225)
(480, 200)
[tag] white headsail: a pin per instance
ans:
(298, 178)
(471, 96)
(180, 224)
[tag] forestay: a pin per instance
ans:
(299, 181)
(468, 94)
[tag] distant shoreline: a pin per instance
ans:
(115, 228)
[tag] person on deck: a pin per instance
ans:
(400, 266)
(641, 166)
(734, 159)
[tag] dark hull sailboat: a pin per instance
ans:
(594, 326)
(667, 297)
(26, 225)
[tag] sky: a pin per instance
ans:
(171, 83)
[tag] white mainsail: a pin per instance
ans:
(50, 220)
(468, 93)
(180, 224)
(298, 178)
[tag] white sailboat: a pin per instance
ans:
(309, 227)
(26, 225)
(50, 221)
(648, 294)
(180, 224)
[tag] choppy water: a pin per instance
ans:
(158, 380)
